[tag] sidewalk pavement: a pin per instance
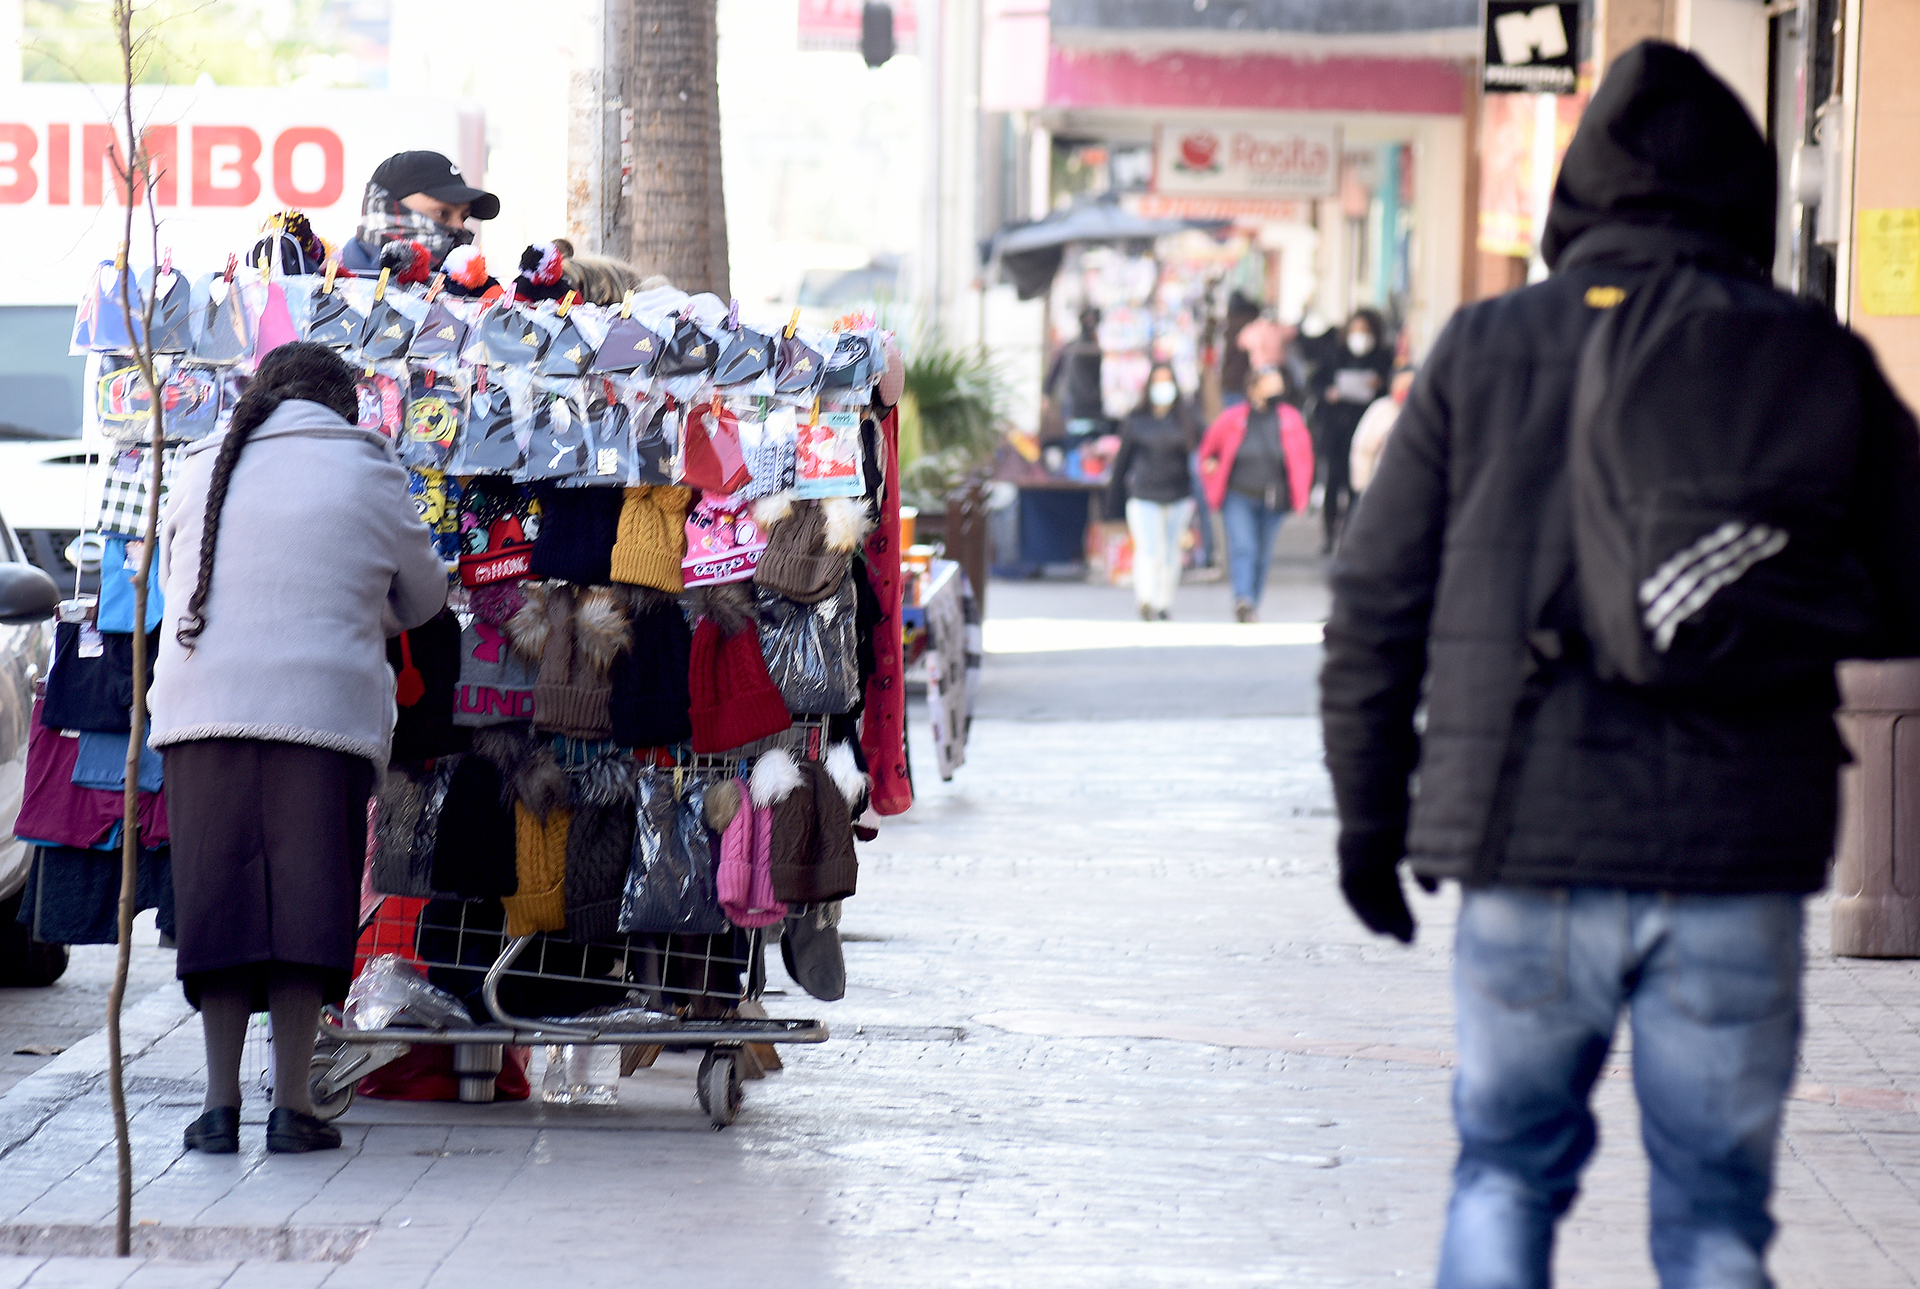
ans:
(1107, 1023)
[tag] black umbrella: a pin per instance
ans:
(1030, 252)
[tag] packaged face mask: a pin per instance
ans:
(440, 334)
(190, 396)
(850, 365)
(714, 460)
(172, 312)
(509, 336)
(382, 390)
(436, 412)
(557, 433)
(689, 352)
(332, 321)
(797, 368)
(747, 356)
(489, 442)
(630, 346)
(101, 323)
(609, 458)
(569, 354)
(227, 328)
(827, 456)
(388, 333)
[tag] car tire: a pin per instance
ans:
(24, 961)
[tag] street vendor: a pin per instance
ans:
(415, 197)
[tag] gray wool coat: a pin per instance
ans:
(320, 558)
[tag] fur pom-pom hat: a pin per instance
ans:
(586, 631)
(542, 273)
(798, 562)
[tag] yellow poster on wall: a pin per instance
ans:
(1888, 255)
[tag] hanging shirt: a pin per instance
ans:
(1260, 466)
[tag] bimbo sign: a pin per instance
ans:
(1267, 161)
(224, 159)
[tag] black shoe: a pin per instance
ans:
(217, 1132)
(291, 1133)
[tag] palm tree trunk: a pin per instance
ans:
(678, 211)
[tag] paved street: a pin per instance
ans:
(1108, 1023)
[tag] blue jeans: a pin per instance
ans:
(1711, 984)
(1251, 527)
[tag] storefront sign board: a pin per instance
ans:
(1233, 161)
(1532, 48)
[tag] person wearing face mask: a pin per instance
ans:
(1344, 386)
(1256, 463)
(1151, 476)
(415, 197)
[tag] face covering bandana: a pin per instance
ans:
(383, 219)
(1161, 392)
(1360, 343)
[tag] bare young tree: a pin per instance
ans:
(136, 177)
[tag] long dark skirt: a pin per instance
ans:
(269, 840)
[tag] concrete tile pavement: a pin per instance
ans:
(1107, 1023)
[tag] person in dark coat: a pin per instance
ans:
(1619, 847)
(1073, 380)
(1344, 386)
(1153, 481)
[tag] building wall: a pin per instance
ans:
(1884, 43)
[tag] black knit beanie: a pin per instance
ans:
(599, 848)
(650, 700)
(426, 667)
(578, 527)
(473, 853)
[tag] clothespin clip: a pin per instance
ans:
(716, 407)
(380, 287)
(436, 286)
(333, 267)
(233, 264)
(120, 259)
(370, 372)
(266, 267)
(626, 305)
(566, 302)
(733, 314)
(813, 417)
(792, 322)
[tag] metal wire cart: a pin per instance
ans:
(696, 986)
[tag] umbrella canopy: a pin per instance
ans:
(1030, 253)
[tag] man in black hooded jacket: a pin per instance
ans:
(1619, 848)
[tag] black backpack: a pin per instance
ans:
(1712, 466)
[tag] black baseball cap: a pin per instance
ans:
(406, 173)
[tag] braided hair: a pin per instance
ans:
(301, 370)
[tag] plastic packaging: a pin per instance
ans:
(811, 650)
(827, 455)
(391, 991)
(436, 415)
(610, 440)
(557, 430)
(671, 883)
(493, 439)
(581, 1074)
(382, 387)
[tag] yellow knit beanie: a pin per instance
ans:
(652, 537)
(540, 862)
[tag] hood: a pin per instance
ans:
(1665, 144)
(296, 416)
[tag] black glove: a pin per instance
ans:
(1375, 896)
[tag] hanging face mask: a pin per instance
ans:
(1359, 343)
(569, 355)
(105, 314)
(630, 346)
(688, 353)
(850, 365)
(436, 407)
(1161, 393)
(488, 443)
(657, 448)
(333, 322)
(439, 335)
(748, 355)
(387, 334)
(509, 336)
(172, 311)
(714, 460)
(382, 393)
(226, 335)
(557, 443)
(797, 367)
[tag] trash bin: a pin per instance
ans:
(1876, 877)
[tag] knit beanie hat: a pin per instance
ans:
(426, 668)
(599, 848)
(797, 563)
(474, 849)
(496, 680)
(813, 860)
(745, 877)
(585, 631)
(648, 699)
(497, 528)
(810, 948)
(540, 860)
(652, 538)
(724, 542)
(578, 527)
(734, 701)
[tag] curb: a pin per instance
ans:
(27, 1106)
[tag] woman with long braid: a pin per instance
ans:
(295, 552)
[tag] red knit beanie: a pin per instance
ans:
(734, 700)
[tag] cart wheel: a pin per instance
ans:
(326, 1106)
(720, 1087)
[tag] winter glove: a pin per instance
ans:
(1370, 880)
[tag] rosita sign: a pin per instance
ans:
(1231, 161)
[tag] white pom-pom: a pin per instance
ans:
(845, 772)
(846, 524)
(775, 776)
(771, 509)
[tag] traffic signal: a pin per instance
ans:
(876, 33)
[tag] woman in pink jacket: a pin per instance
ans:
(1256, 464)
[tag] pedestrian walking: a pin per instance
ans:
(1257, 464)
(1344, 385)
(295, 552)
(1152, 479)
(1073, 381)
(1627, 522)
(1370, 437)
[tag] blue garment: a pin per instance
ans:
(101, 762)
(116, 590)
(1711, 985)
(73, 896)
(1251, 528)
(1203, 513)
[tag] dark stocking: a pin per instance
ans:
(293, 999)
(224, 1009)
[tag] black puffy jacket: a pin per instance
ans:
(1452, 581)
